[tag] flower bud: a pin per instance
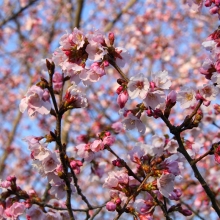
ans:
(111, 206)
(186, 212)
(214, 10)
(122, 99)
(111, 38)
(118, 201)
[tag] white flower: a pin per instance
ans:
(154, 99)
(165, 184)
(172, 146)
(209, 92)
(186, 97)
(132, 122)
(138, 86)
(50, 163)
(158, 143)
(216, 79)
(209, 44)
(123, 56)
(161, 79)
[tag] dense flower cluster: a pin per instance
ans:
(150, 172)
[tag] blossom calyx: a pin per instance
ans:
(121, 81)
(197, 119)
(50, 137)
(43, 84)
(146, 168)
(23, 194)
(118, 162)
(149, 187)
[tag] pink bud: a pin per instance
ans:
(206, 103)
(46, 95)
(122, 99)
(217, 2)
(149, 112)
(106, 63)
(186, 212)
(110, 206)
(118, 201)
(208, 3)
(79, 163)
(118, 163)
(171, 98)
(59, 168)
(111, 38)
(152, 85)
(11, 178)
(214, 10)
(199, 97)
(119, 89)
(73, 164)
(109, 140)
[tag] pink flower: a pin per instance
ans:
(109, 140)
(138, 152)
(158, 143)
(144, 206)
(172, 146)
(122, 56)
(35, 213)
(115, 179)
(97, 146)
(15, 210)
(53, 216)
(58, 189)
(36, 100)
(95, 51)
(75, 165)
(161, 79)
(93, 74)
(50, 162)
(117, 127)
(84, 151)
(74, 98)
(209, 92)
(209, 44)
(175, 195)
(154, 99)
(138, 86)
(131, 122)
(5, 184)
(165, 184)
(186, 97)
(76, 38)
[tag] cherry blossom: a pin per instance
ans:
(154, 99)
(36, 100)
(208, 92)
(131, 122)
(161, 79)
(186, 97)
(166, 184)
(138, 86)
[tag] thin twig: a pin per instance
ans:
(14, 15)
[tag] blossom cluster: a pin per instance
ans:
(77, 49)
(156, 166)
